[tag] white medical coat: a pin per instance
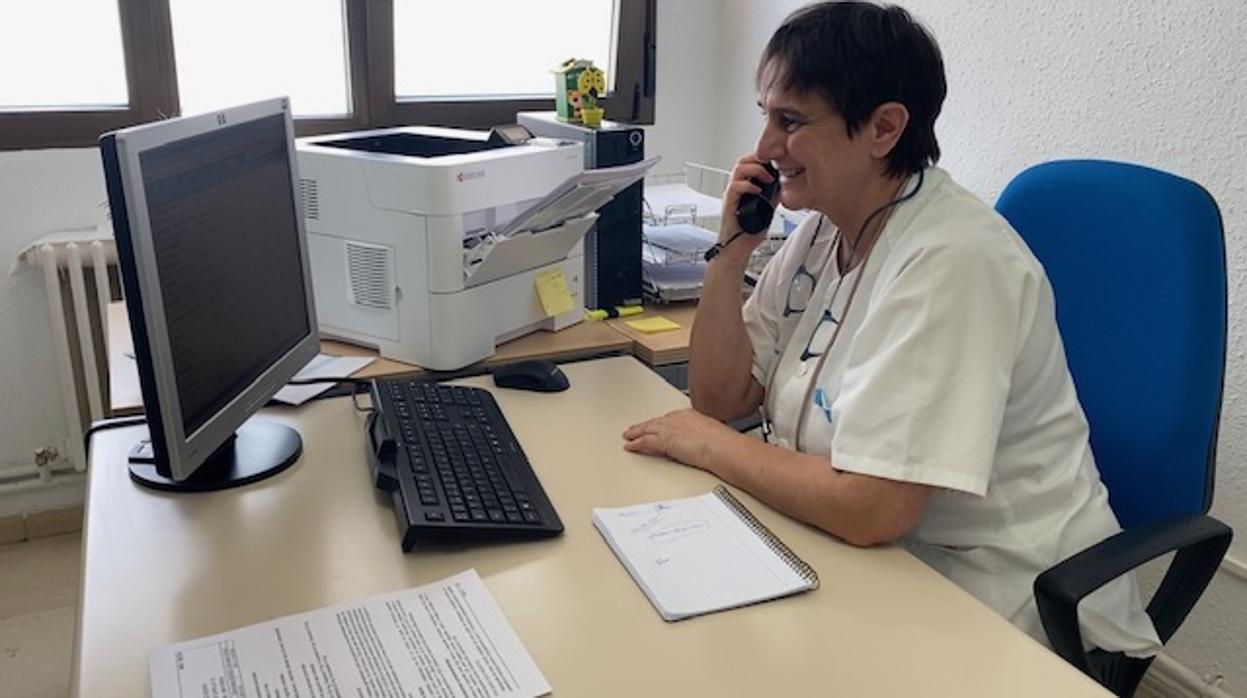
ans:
(949, 371)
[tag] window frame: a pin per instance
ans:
(634, 77)
(147, 81)
(151, 77)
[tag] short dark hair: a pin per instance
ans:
(858, 55)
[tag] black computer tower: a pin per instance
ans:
(613, 247)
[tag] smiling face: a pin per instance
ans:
(821, 167)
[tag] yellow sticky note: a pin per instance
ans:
(650, 325)
(552, 288)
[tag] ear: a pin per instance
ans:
(885, 128)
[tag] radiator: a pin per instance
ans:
(79, 272)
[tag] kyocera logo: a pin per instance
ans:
(474, 174)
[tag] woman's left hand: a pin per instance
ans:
(684, 435)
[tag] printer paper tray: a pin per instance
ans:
(523, 251)
(578, 196)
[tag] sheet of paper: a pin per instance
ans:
(552, 289)
(650, 325)
(577, 196)
(444, 639)
(321, 366)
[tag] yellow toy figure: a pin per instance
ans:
(592, 84)
(578, 87)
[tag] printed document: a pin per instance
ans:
(444, 639)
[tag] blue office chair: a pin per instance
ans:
(1136, 258)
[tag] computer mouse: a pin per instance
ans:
(542, 376)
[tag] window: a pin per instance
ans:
(223, 60)
(492, 58)
(77, 47)
(62, 46)
(346, 64)
(396, 98)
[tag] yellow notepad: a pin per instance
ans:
(650, 325)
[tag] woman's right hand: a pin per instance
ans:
(747, 167)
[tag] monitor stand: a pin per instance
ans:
(257, 450)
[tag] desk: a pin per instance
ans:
(661, 348)
(159, 568)
(581, 340)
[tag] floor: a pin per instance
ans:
(38, 595)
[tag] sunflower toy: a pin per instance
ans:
(577, 88)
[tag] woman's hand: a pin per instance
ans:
(684, 435)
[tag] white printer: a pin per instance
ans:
(426, 243)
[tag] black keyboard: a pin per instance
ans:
(454, 469)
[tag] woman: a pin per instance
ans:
(902, 345)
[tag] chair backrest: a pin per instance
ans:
(1136, 258)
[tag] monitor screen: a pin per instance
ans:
(213, 259)
(226, 241)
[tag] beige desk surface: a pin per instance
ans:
(580, 340)
(661, 348)
(160, 568)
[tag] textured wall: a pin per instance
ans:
(1157, 83)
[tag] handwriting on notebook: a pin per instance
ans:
(665, 525)
(675, 531)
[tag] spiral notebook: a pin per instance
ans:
(702, 554)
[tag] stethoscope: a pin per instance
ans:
(802, 275)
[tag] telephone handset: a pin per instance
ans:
(754, 212)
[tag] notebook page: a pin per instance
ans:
(695, 555)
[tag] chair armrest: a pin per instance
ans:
(1200, 542)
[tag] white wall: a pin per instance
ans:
(40, 192)
(687, 101)
(1160, 84)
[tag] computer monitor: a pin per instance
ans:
(214, 265)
